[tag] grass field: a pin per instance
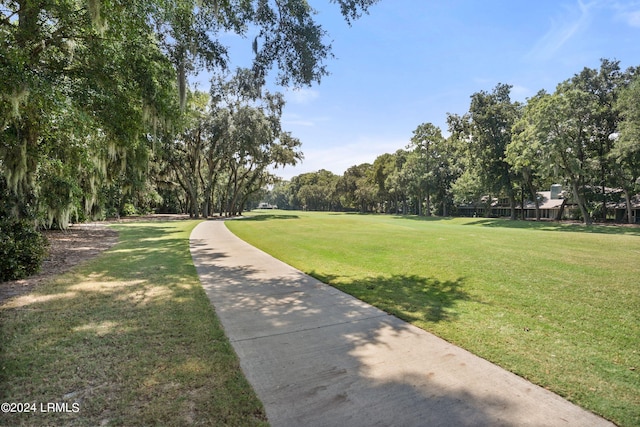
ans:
(557, 304)
(129, 338)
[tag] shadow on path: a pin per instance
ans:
(319, 357)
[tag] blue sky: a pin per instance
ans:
(413, 61)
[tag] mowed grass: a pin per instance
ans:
(556, 304)
(129, 337)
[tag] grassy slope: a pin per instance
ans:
(556, 304)
(130, 336)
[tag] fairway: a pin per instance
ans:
(556, 304)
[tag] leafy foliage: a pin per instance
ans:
(22, 249)
(90, 91)
(91, 86)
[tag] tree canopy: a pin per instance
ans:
(89, 88)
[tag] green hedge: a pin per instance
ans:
(22, 249)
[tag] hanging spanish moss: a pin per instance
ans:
(56, 193)
(17, 97)
(15, 166)
(98, 21)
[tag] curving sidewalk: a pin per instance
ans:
(319, 357)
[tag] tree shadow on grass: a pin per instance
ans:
(424, 218)
(410, 297)
(619, 229)
(268, 217)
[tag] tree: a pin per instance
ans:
(602, 86)
(626, 149)
(392, 184)
(316, 191)
(228, 142)
(184, 153)
(467, 187)
(427, 143)
(280, 195)
(525, 152)
(559, 124)
(446, 169)
(76, 95)
(357, 189)
(491, 117)
(383, 166)
(396, 183)
(255, 147)
(86, 87)
(571, 134)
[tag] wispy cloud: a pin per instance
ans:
(301, 95)
(633, 18)
(294, 119)
(571, 22)
(298, 122)
(520, 93)
(628, 12)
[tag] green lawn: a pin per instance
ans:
(130, 338)
(556, 304)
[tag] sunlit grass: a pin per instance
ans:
(557, 304)
(131, 337)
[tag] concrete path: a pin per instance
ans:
(319, 357)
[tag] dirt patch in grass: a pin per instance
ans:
(79, 243)
(67, 248)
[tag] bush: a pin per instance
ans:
(129, 210)
(22, 249)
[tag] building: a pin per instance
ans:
(620, 209)
(553, 204)
(264, 205)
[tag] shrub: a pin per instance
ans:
(129, 210)
(22, 249)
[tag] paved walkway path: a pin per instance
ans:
(319, 357)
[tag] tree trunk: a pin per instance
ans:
(561, 210)
(428, 200)
(581, 203)
(604, 200)
(206, 207)
(628, 206)
(512, 205)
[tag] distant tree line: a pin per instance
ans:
(585, 136)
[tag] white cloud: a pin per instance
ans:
(520, 93)
(633, 18)
(294, 120)
(301, 95)
(628, 16)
